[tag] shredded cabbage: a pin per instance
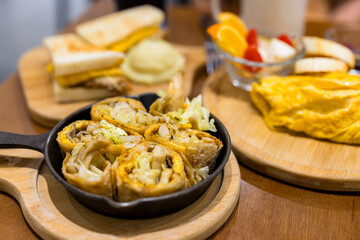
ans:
(95, 169)
(88, 174)
(203, 173)
(110, 132)
(93, 173)
(131, 116)
(161, 93)
(164, 131)
(122, 106)
(195, 110)
(131, 141)
(76, 149)
(142, 171)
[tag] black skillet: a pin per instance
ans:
(140, 208)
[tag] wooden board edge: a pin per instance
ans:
(45, 223)
(234, 182)
(294, 176)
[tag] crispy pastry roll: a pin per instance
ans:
(164, 133)
(197, 148)
(174, 108)
(148, 170)
(84, 131)
(172, 100)
(74, 133)
(126, 113)
(200, 148)
(88, 168)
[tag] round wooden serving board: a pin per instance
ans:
(54, 214)
(286, 155)
(38, 89)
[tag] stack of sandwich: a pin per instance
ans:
(86, 65)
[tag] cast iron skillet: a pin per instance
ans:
(140, 208)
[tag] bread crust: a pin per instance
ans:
(112, 28)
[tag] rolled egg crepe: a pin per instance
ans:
(197, 148)
(173, 107)
(200, 148)
(84, 131)
(172, 100)
(148, 170)
(74, 133)
(87, 167)
(126, 113)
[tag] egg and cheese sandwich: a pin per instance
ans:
(82, 71)
(121, 30)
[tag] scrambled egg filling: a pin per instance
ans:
(77, 78)
(326, 107)
(131, 40)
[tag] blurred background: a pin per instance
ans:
(23, 24)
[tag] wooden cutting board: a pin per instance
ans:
(54, 214)
(286, 155)
(38, 89)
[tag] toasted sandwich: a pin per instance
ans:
(82, 71)
(121, 30)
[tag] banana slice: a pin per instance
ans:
(319, 65)
(316, 46)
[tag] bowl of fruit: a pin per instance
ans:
(250, 54)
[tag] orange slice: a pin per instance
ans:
(231, 41)
(213, 30)
(234, 21)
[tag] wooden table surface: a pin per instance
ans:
(267, 209)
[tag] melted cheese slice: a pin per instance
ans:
(326, 107)
(77, 78)
(134, 38)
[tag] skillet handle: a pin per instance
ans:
(34, 142)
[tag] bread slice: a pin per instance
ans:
(70, 54)
(115, 27)
(82, 71)
(316, 46)
(319, 65)
(63, 95)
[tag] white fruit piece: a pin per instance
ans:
(280, 50)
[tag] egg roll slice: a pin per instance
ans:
(87, 167)
(73, 134)
(174, 108)
(148, 170)
(164, 134)
(194, 175)
(172, 100)
(200, 148)
(83, 131)
(127, 113)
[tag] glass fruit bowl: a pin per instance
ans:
(243, 72)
